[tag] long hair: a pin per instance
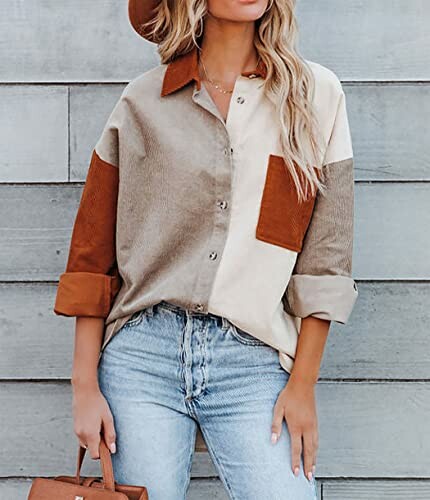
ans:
(178, 26)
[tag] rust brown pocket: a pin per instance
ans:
(283, 220)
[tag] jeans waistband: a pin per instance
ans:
(189, 312)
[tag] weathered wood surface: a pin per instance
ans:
(207, 489)
(386, 145)
(386, 338)
(61, 40)
(34, 133)
(374, 439)
(18, 489)
(367, 430)
(368, 40)
(390, 237)
(90, 107)
(40, 40)
(391, 241)
(376, 490)
(389, 129)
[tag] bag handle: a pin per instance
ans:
(105, 462)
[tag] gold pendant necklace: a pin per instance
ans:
(216, 85)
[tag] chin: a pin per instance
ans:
(237, 10)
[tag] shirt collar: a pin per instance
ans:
(184, 68)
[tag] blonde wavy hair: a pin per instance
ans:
(178, 26)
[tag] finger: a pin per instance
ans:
(296, 450)
(308, 453)
(276, 429)
(82, 436)
(109, 434)
(314, 461)
(93, 446)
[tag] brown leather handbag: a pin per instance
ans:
(87, 488)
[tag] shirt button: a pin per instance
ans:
(253, 75)
(213, 255)
(222, 204)
(199, 307)
(240, 99)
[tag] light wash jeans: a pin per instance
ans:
(167, 370)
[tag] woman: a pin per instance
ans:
(211, 250)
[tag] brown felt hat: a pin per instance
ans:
(141, 11)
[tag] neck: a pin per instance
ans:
(228, 48)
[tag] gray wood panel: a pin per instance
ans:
(366, 429)
(375, 344)
(376, 490)
(390, 243)
(34, 133)
(15, 489)
(35, 342)
(199, 489)
(90, 107)
(49, 41)
(40, 40)
(374, 437)
(35, 230)
(367, 40)
(389, 129)
(386, 337)
(36, 432)
(386, 147)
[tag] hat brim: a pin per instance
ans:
(139, 12)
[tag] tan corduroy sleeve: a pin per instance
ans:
(91, 279)
(321, 284)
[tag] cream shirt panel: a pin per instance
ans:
(253, 275)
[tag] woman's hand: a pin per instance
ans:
(296, 403)
(91, 415)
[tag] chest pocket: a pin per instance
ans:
(283, 220)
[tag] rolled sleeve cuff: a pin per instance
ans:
(330, 297)
(84, 294)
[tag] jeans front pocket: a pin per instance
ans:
(245, 337)
(136, 318)
(283, 219)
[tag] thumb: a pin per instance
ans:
(109, 434)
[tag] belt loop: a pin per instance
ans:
(150, 310)
(225, 323)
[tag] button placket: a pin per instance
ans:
(223, 162)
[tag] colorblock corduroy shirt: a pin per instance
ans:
(182, 206)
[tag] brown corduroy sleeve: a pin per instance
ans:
(91, 279)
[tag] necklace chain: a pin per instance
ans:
(215, 84)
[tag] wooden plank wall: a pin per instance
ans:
(63, 65)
